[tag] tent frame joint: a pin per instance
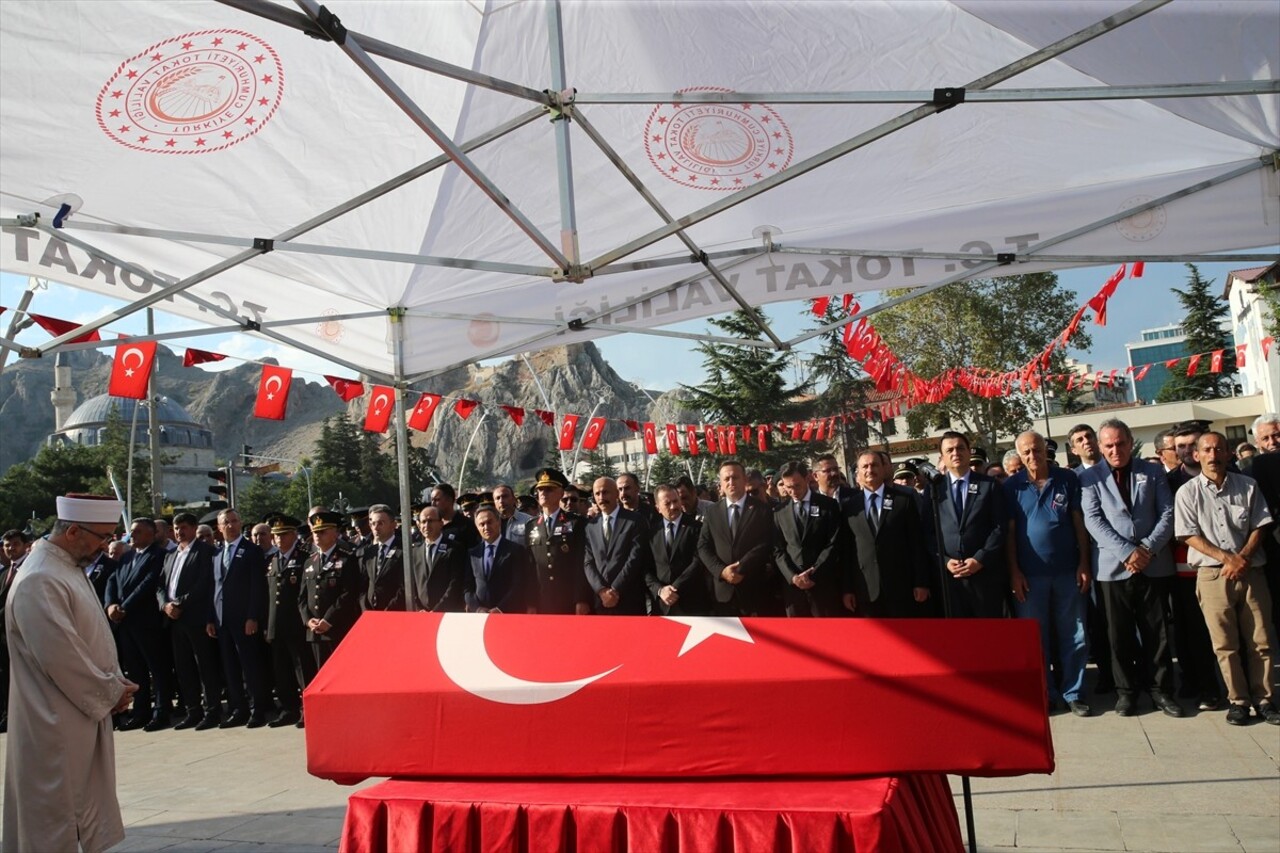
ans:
(27, 220)
(30, 352)
(560, 105)
(397, 313)
(330, 26)
(576, 273)
(948, 97)
(1005, 259)
(264, 244)
(577, 324)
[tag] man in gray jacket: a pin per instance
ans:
(1128, 511)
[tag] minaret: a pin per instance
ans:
(63, 395)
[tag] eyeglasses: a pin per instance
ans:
(102, 537)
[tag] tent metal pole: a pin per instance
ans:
(396, 317)
(351, 47)
(385, 49)
(914, 96)
(1031, 251)
(153, 429)
(546, 401)
(562, 114)
(655, 263)
(1232, 257)
(652, 201)
(462, 468)
(693, 336)
(16, 323)
(897, 123)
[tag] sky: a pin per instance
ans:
(653, 363)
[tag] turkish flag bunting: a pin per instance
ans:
(548, 418)
(1193, 364)
(1266, 348)
(797, 427)
(691, 439)
(808, 432)
(378, 416)
(1111, 380)
(1142, 374)
(746, 433)
(131, 370)
(1138, 267)
(762, 437)
(56, 327)
(820, 305)
(464, 407)
(516, 413)
(1215, 361)
(673, 440)
(821, 434)
(650, 438)
(591, 438)
(273, 392)
(423, 412)
(709, 435)
(568, 430)
(850, 307)
(1240, 348)
(1171, 362)
(634, 426)
(192, 357)
(347, 389)
(733, 442)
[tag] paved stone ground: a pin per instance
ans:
(1144, 783)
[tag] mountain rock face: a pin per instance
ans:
(575, 378)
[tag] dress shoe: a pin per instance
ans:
(1269, 713)
(302, 723)
(256, 721)
(132, 723)
(1080, 709)
(1124, 705)
(1209, 702)
(239, 718)
(1167, 704)
(156, 723)
(210, 721)
(1238, 715)
(190, 721)
(286, 718)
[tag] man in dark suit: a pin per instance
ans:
(501, 571)
(329, 599)
(888, 573)
(291, 660)
(557, 539)
(830, 480)
(237, 617)
(678, 584)
(382, 563)
(185, 594)
(970, 508)
(440, 566)
(100, 571)
(735, 546)
(16, 546)
(808, 546)
(630, 498)
(615, 555)
(130, 600)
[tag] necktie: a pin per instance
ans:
(226, 560)
(488, 560)
(958, 497)
(873, 511)
(431, 554)
(799, 513)
(733, 519)
(606, 528)
(671, 535)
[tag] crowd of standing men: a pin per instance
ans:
(1124, 558)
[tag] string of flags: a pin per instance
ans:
(132, 365)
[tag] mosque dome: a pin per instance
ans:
(87, 424)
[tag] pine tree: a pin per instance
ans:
(1202, 324)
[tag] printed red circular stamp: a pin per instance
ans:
(192, 94)
(717, 146)
(484, 332)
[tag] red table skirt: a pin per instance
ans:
(895, 813)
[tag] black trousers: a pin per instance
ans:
(195, 658)
(978, 597)
(1099, 643)
(1197, 661)
(144, 656)
(244, 665)
(294, 665)
(1138, 608)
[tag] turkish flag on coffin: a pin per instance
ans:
(470, 695)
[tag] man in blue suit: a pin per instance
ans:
(238, 615)
(130, 600)
(1128, 511)
(502, 575)
(970, 508)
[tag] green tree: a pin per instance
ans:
(999, 324)
(258, 496)
(29, 489)
(1202, 323)
(747, 385)
(599, 465)
(664, 468)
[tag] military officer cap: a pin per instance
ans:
(468, 501)
(281, 523)
(327, 520)
(549, 478)
(1051, 446)
(485, 497)
(904, 469)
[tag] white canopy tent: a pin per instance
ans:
(406, 187)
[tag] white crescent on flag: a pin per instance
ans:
(380, 402)
(124, 358)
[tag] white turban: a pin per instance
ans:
(89, 509)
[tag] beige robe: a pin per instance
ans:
(60, 767)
